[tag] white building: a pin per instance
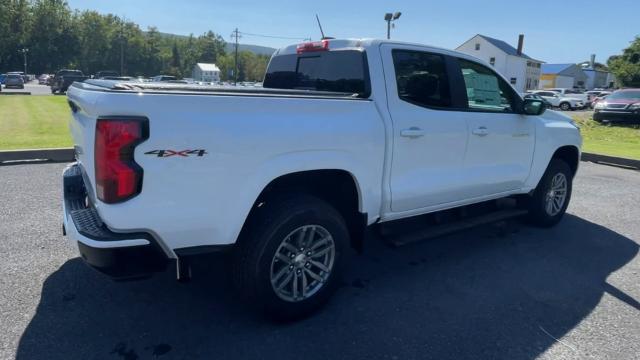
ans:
(206, 72)
(522, 71)
(597, 78)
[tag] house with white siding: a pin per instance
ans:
(522, 71)
(206, 72)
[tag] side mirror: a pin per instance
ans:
(533, 107)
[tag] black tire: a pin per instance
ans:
(53, 91)
(268, 226)
(565, 106)
(537, 203)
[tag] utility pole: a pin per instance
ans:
(236, 34)
(24, 53)
(122, 48)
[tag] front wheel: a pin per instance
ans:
(289, 261)
(550, 199)
(565, 106)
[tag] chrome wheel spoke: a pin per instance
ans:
(319, 265)
(294, 291)
(304, 284)
(323, 241)
(280, 274)
(549, 206)
(289, 247)
(313, 275)
(311, 232)
(283, 258)
(286, 281)
(322, 252)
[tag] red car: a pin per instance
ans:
(620, 106)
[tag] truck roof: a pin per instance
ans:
(364, 44)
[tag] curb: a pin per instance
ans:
(611, 160)
(55, 155)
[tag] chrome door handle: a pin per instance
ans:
(412, 132)
(481, 131)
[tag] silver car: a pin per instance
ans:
(14, 81)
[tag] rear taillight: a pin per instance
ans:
(118, 177)
(314, 46)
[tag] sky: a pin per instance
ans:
(560, 31)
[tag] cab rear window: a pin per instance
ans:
(339, 71)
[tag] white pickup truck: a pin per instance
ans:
(346, 139)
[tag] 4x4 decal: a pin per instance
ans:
(183, 153)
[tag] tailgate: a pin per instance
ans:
(83, 127)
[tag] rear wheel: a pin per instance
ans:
(289, 261)
(550, 199)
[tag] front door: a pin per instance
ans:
(501, 140)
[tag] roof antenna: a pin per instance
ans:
(322, 32)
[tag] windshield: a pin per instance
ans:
(634, 95)
(339, 71)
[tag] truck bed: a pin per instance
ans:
(192, 89)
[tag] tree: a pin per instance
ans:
(58, 37)
(51, 38)
(15, 32)
(626, 67)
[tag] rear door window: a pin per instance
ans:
(422, 78)
(338, 71)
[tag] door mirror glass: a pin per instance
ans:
(533, 107)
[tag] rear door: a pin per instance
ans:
(429, 130)
(500, 140)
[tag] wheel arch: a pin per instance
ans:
(338, 187)
(569, 154)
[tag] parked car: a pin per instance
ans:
(105, 73)
(2, 77)
(162, 78)
(573, 93)
(620, 106)
(546, 102)
(601, 96)
(286, 177)
(64, 78)
(43, 79)
(14, 81)
(557, 100)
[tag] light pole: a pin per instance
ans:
(389, 18)
(24, 53)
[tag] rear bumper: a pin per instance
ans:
(119, 255)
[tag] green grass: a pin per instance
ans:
(615, 140)
(34, 122)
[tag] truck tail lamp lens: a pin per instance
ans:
(118, 176)
(313, 46)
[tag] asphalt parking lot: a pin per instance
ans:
(505, 291)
